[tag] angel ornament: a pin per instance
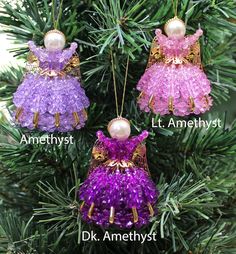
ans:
(174, 82)
(118, 191)
(50, 97)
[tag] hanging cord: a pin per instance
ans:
(125, 84)
(175, 7)
(56, 12)
(115, 86)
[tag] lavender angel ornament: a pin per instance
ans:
(50, 97)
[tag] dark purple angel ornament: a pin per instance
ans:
(50, 97)
(118, 190)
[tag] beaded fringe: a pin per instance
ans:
(36, 116)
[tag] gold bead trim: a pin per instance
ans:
(192, 104)
(57, 120)
(135, 214)
(36, 119)
(90, 211)
(112, 212)
(19, 112)
(82, 206)
(171, 104)
(151, 210)
(112, 215)
(76, 119)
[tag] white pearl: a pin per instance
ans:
(119, 128)
(175, 28)
(54, 40)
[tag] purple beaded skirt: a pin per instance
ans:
(40, 98)
(130, 194)
(178, 89)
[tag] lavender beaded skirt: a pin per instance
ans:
(43, 97)
(186, 85)
(123, 191)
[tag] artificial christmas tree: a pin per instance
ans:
(193, 167)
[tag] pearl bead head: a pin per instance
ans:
(119, 128)
(175, 28)
(54, 40)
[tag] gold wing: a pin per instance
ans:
(140, 157)
(32, 64)
(155, 55)
(194, 55)
(99, 155)
(73, 67)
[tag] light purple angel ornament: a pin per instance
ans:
(174, 81)
(118, 191)
(50, 97)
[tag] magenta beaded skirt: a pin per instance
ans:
(179, 89)
(122, 199)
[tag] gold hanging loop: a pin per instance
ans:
(175, 7)
(115, 85)
(55, 19)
